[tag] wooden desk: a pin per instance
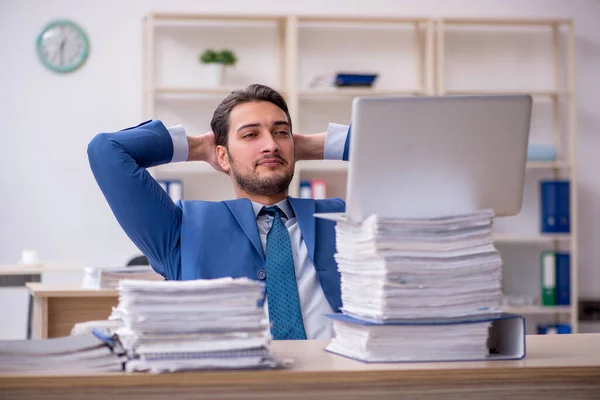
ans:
(556, 367)
(16, 270)
(20, 274)
(57, 308)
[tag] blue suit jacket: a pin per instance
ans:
(198, 239)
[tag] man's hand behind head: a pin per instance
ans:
(309, 147)
(204, 148)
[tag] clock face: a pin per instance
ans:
(62, 46)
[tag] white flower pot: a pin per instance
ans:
(215, 74)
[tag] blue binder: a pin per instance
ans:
(563, 279)
(506, 338)
(564, 206)
(555, 207)
(352, 79)
(554, 329)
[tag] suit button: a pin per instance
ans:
(261, 275)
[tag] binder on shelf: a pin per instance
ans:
(506, 338)
(305, 190)
(354, 79)
(313, 189)
(319, 189)
(564, 206)
(553, 329)
(548, 275)
(174, 189)
(563, 279)
(555, 206)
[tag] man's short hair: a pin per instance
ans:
(253, 93)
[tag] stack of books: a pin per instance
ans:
(189, 325)
(90, 352)
(417, 289)
(109, 277)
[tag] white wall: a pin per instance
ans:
(49, 200)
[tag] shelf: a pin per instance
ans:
(534, 92)
(322, 165)
(548, 165)
(163, 16)
(537, 310)
(504, 21)
(197, 91)
(204, 168)
(184, 168)
(353, 92)
(361, 20)
(531, 238)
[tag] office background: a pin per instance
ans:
(50, 201)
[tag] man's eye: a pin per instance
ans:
(282, 133)
(249, 135)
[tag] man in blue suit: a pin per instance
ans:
(263, 234)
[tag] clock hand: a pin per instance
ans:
(62, 51)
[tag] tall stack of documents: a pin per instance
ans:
(109, 277)
(88, 352)
(183, 325)
(417, 289)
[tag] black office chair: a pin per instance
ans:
(138, 260)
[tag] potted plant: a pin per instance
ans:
(215, 63)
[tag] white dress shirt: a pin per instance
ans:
(313, 303)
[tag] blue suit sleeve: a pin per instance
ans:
(143, 209)
(346, 155)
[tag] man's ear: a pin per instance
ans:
(223, 158)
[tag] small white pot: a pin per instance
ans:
(215, 74)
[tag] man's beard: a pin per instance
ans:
(254, 184)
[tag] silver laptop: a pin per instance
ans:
(431, 156)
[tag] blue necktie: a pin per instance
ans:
(285, 314)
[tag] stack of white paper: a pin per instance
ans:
(70, 354)
(106, 327)
(415, 271)
(416, 340)
(109, 277)
(180, 325)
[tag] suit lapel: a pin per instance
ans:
(244, 214)
(304, 210)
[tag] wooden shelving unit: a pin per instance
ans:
(560, 93)
(291, 49)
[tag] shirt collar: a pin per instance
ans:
(284, 205)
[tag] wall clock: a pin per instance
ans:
(62, 46)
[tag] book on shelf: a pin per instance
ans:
(541, 153)
(344, 79)
(313, 189)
